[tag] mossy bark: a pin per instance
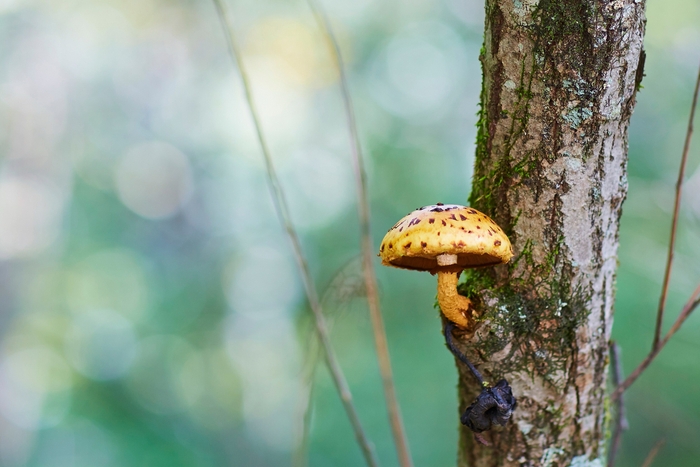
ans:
(559, 85)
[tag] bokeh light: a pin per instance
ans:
(31, 213)
(153, 179)
(101, 344)
(35, 387)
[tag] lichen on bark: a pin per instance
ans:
(558, 92)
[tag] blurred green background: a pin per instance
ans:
(150, 310)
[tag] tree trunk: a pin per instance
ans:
(559, 83)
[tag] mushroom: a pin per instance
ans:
(445, 239)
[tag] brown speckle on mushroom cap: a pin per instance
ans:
(416, 245)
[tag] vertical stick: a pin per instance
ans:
(621, 423)
(380, 340)
(653, 453)
(283, 214)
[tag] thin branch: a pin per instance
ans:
(653, 453)
(283, 214)
(688, 308)
(692, 303)
(674, 223)
(621, 423)
(343, 287)
(299, 456)
(380, 340)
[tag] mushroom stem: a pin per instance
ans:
(454, 306)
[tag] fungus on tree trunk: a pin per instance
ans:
(445, 239)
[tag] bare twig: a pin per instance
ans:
(653, 453)
(299, 456)
(344, 286)
(688, 308)
(692, 303)
(674, 223)
(283, 214)
(621, 423)
(380, 339)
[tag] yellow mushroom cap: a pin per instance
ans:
(418, 239)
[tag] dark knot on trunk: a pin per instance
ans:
(493, 406)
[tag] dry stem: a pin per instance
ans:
(380, 340)
(688, 308)
(693, 301)
(674, 223)
(654, 451)
(283, 214)
(621, 423)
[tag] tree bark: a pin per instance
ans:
(559, 84)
